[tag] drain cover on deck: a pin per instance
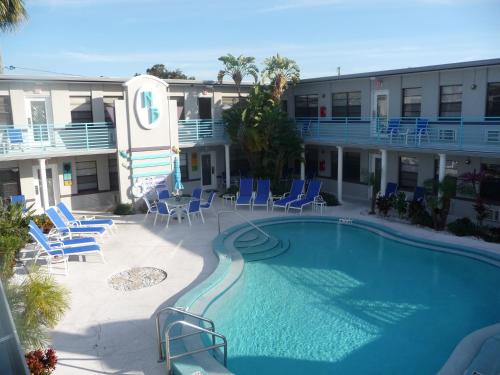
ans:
(137, 278)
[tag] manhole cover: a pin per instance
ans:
(137, 278)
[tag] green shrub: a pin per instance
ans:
(43, 222)
(233, 189)
(124, 209)
(330, 199)
(463, 227)
(10, 244)
(490, 234)
(401, 204)
(384, 205)
(418, 215)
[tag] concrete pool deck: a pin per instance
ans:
(107, 331)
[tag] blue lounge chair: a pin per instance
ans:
(56, 240)
(87, 221)
(293, 195)
(163, 211)
(312, 193)
(391, 189)
(62, 228)
(208, 204)
(419, 195)
(245, 195)
(263, 195)
(57, 251)
(395, 131)
(193, 208)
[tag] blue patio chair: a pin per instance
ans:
(151, 206)
(245, 195)
(21, 199)
(194, 208)
(421, 130)
(391, 189)
(395, 131)
(293, 195)
(62, 228)
(57, 250)
(312, 193)
(56, 240)
(163, 194)
(86, 221)
(15, 138)
(263, 195)
(208, 204)
(197, 193)
(163, 211)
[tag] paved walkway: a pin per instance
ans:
(113, 332)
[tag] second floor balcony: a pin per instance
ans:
(46, 140)
(477, 135)
(201, 132)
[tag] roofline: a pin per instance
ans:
(111, 80)
(421, 69)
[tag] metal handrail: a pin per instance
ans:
(199, 330)
(219, 213)
(182, 312)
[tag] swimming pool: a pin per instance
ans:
(343, 299)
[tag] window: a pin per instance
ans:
(86, 176)
(205, 108)
(9, 182)
(493, 108)
(81, 109)
(450, 101)
(229, 101)
(5, 111)
(490, 185)
(306, 106)
(334, 165)
(412, 101)
(180, 107)
(408, 173)
(114, 183)
(346, 104)
(109, 108)
(352, 164)
(183, 166)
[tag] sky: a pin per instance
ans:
(119, 38)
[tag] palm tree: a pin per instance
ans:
(12, 13)
(280, 70)
(238, 68)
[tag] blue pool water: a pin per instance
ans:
(344, 300)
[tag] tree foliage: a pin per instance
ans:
(264, 133)
(12, 13)
(160, 71)
(280, 71)
(238, 68)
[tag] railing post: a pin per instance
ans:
(87, 136)
(460, 134)
(346, 130)
(197, 130)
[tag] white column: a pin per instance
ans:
(442, 166)
(383, 172)
(228, 166)
(44, 190)
(442, 170)
(340, 172)
(303, 165)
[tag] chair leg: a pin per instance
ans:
(189, 218)
(102, 256)
(168, 220)
(156, 217)
(202, 218)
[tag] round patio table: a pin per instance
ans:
(177, 203)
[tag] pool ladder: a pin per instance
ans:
(198, 329)
(219, 214)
